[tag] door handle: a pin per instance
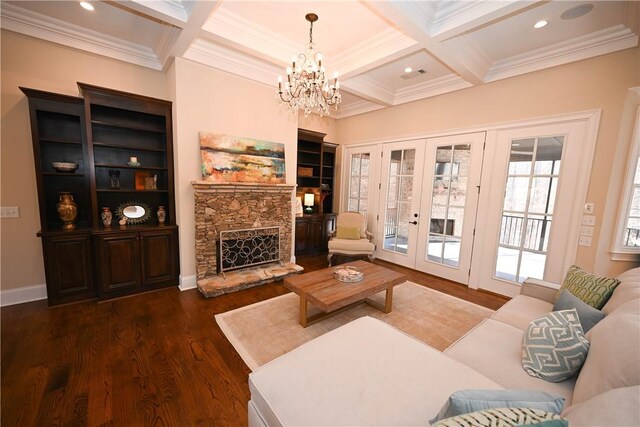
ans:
(413, 222)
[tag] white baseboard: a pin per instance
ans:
(188, 282)
(24, 294)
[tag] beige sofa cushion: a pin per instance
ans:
(614, 357)
(627, 290)
(349, 245)
(522, 310)
(494, 349)
(616, 407)
(363, 373)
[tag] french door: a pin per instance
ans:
(399, 206)
(451, 182)
(527, 212)
(362, 182)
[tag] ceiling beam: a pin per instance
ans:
(160, 10)
(199, 15)
(369, 89)
(456, 18)
(415, 22)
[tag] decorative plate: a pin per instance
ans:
(64, 166)
(348, 274)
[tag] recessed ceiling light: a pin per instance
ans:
(576, 12)
(86, 5)
(408, 70)
(541, 23)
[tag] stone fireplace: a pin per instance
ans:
(239, 206)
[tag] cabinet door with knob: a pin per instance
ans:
(159, 257)
(118, 263)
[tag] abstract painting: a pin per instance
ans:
(228, 158)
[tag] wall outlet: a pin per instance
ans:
(584, 241)
(586, 230)
(588, 220)
(10, 212)
(589, 208)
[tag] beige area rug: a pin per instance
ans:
(263, 331)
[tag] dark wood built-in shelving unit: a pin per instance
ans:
(100, 131)
(316, 175)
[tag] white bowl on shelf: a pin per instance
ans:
(134, 164)
(64, 166)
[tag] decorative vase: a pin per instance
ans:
(67, 210)
(162, 215)
(106, 217)
(114, 179)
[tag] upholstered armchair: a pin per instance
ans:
(351, 237)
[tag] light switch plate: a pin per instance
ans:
(589, 208)
(586, 230)
(584, 241)
(588, 220)
(10, 212)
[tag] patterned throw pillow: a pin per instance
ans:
(592, 289)
(554, 347)
(503, 417)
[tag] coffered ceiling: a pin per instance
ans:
(448, 44)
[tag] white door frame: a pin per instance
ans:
(485, 227)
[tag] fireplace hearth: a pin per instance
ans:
(255, 222)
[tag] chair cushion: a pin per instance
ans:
(614, 357)
(349, 233)
(615, 407)
(522, 310)
(590, 288)
(627, 290)
(353, 219)
(349, 246)
(493, 349)
(554, 347)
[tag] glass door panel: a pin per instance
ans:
(359, 183)
(359, 194)
(446, 237)
(529, 199)
(397, 234)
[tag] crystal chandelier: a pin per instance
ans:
(306, 87)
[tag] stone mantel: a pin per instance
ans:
(208, 186)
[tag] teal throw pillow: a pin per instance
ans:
(503, 417)
(587, 315)
(466, 401)
(554, 347)
(592, 289)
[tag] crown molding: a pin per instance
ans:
(249, 37)
(382, 48)
(164, 46)
(455, 17)
(174, 12)
(232, 61)
(355, 108)
(591, 45)
(445, 84)
(33, 24)
(370, 89)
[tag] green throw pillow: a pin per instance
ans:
(503, 417)
(349, 233)
(592, 289)
(554, 347)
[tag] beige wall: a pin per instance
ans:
(211, 100)
(598, 83)
(46, 66)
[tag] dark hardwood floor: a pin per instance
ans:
(156, 359)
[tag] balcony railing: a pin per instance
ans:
(632, 238)
(535, 232)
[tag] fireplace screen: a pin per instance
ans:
(246, 248)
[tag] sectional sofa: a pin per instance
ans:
(368, 373)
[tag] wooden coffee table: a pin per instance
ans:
(332, 296)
